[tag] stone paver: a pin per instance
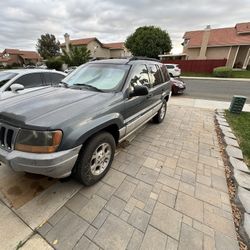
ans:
(166, 190)
(154, 239)
(191, 239)
(189, 206)
(114, 234)
(167, 220)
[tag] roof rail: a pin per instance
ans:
(134, 58)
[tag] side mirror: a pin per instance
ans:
(16, 87)
(139, 90)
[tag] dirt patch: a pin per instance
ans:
(19, 188)
(237, 214)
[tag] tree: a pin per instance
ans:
(76, 55)
(47, 46)
(54, 63)
(149, 41)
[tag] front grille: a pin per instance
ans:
(7, 136)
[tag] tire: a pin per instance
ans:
(93, 154)
(159, 117)
(171, 75)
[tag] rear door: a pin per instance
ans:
(157, 86)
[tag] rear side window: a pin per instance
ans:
(52, 78)
(30, 80)
(155, 75)
(170, 66)
(140, 76)
(165, 73)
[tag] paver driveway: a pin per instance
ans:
(166, 190)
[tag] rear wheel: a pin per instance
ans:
(159, 117)
(95, 159)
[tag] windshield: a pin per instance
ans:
(106, 77)
(5, 77)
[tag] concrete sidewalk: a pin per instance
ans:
(200, 103)
(216, 78)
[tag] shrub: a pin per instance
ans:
(222, 72)
(54, 63)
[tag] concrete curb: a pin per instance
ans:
(216, 78)
(241, 174)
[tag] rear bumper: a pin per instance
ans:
(56, 165)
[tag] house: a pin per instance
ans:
(232, 44)
(98, 49)
(19, 57)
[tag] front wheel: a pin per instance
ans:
(159, 117)
(95, 158)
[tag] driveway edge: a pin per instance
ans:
(238, 177)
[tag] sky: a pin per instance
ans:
(23, 22)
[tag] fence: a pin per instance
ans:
(198, 65)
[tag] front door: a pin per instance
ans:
(137, 108)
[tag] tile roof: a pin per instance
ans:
(82, 41)
(243, 27)
(119, 45)
(86, 41)
(23, 53)
(220, 37)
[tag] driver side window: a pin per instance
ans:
(140, 76)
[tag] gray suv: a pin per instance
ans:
(74, 127)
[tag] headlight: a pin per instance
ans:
(38, 141)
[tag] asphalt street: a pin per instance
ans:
(219, 90)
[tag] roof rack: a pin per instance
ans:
(134, 58)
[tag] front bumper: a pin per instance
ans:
(56, 165)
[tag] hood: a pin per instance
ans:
(48, 107)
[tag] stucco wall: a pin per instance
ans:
(217, 52)
(192, 53)
(98, 51)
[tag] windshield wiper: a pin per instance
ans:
(88, 86)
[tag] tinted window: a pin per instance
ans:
(155, 74)
(165, 73)
(52, 78)
(5, 77)
(170, 66)
(30, 80)
(140, 76)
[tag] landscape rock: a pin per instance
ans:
(223, 123)
(228, 134)
(234, 152)
(243, 179)
(226, 129)
(239, 165)
(246, 224)
(232, 142)
(244, 197)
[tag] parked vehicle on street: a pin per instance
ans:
(73, 128)
(19, 81)
(173, 70)
(178, 86)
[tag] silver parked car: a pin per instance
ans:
(20, 81)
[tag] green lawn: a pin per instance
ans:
(235, 74)
(241, 127)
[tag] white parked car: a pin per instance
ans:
(173, 70)
(19, 81)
